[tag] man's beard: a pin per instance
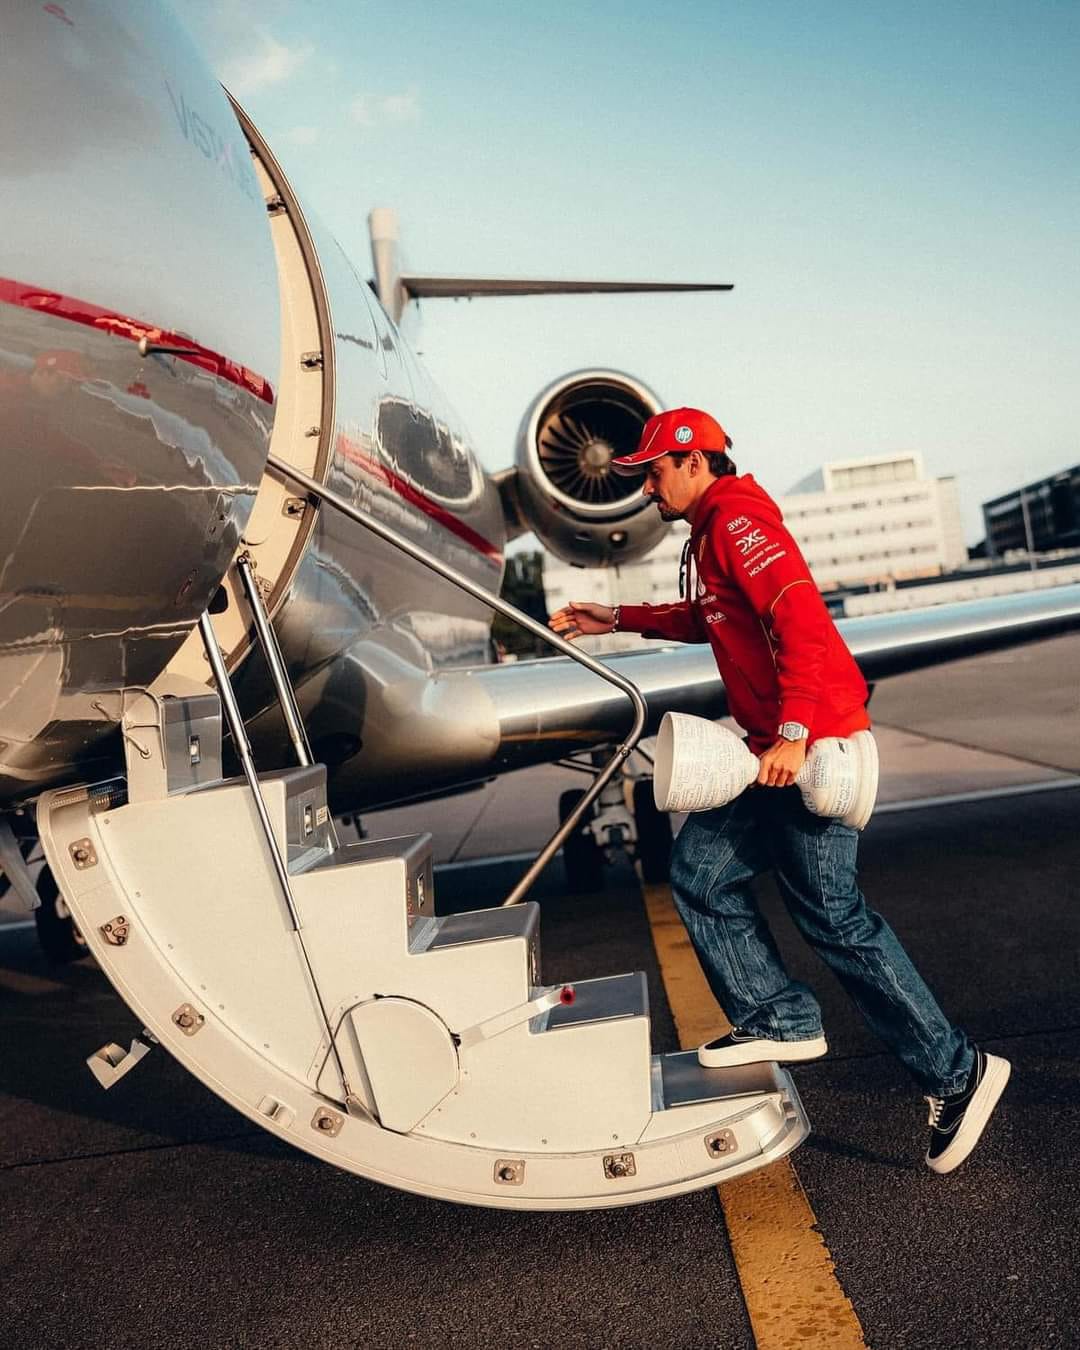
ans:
(668, 512)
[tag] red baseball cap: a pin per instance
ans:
(675, 432)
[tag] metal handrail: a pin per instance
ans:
(496, 602)
(243, 749)
(275, 663)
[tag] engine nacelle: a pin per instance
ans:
(565, 487)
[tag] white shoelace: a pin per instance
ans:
(937, 1105)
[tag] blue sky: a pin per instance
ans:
(893, 189)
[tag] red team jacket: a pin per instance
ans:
(754, 601)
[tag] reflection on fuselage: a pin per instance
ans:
(129, 477)
(126, 480)
(362, 627)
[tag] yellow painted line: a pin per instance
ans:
(788, 1278)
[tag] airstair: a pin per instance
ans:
(315, 987)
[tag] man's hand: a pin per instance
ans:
(582, 619)
(781, 762)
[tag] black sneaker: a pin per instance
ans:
(957, 1122)
(743, 1047)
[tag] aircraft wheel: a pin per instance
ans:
(60, 940)
(654, 833)
(582, 857)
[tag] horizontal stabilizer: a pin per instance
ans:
(457, 288)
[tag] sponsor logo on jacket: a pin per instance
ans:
(738, 523)
(748, 542)
(768, 562)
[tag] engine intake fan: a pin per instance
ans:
(567, 492)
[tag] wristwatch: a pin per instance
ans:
(792, 731)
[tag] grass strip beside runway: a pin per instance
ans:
(789, 1282)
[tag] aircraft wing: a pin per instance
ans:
(549, 707)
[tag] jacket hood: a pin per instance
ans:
(735, 495)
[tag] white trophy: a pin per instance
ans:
(701, 764)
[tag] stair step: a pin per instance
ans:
(191, 730)
(413, 851)
(685, 1082)
(307, 816)
(603, 1000)
(486, 925)
(412, 848)
(295, 800)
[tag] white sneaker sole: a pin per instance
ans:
(763, 1051)
(975, 1117)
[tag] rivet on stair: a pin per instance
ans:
(619, 1165)
(719, 1145)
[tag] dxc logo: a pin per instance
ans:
(753, 540)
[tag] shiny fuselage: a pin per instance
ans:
(133, 212)
(127, 480)
(362, 627)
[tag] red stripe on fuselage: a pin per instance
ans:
(133, 330)
(348, 450)
(121, 326)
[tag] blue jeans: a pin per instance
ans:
(715, 859)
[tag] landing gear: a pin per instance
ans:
(653, 833)
(582, 856)
(60, 940)
(625, 820)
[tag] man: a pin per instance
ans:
(789, 680)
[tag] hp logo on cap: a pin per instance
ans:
(683, 435)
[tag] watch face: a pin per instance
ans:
(794, 731)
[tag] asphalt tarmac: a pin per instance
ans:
(154, 1216)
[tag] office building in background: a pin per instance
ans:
(1052, 510)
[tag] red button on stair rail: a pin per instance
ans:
(567, 995)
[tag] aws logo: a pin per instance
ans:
(739, 523)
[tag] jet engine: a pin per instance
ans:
(564, 487)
